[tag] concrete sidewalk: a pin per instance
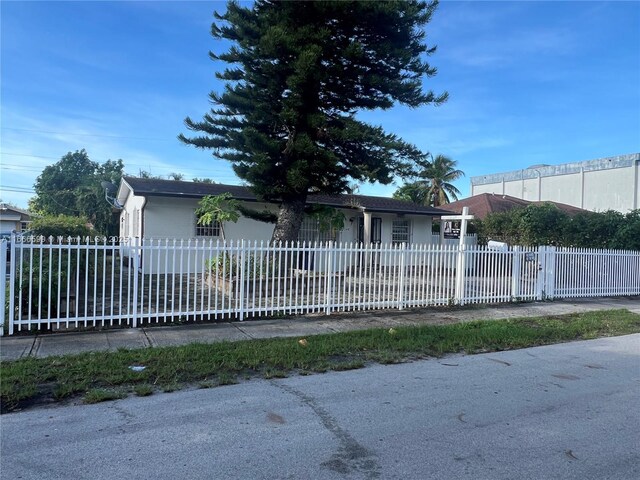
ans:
(44, 345)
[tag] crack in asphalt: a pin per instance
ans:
(351, 456)
(126, 417)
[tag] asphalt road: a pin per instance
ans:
(564, 411)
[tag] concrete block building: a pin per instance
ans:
(602, 184)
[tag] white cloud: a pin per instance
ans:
(511, 48)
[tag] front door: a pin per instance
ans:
(376, 230)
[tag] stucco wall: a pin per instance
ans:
(610, 189)
(8, 226)
(11, 220)
(562, 188)
(487, 188)
(129, 226)
(174, 218)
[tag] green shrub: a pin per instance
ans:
(627, 236)
(546, 224)
(60, 226)
(227, 266)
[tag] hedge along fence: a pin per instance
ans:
(546, 224)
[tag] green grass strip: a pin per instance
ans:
(32, 381)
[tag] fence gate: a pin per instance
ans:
(528, 273)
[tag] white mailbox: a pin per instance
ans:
(500, 246)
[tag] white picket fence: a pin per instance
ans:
(74, 283)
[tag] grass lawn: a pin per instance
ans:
(103, 376)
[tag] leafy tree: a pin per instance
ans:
(72, 186)
(176, 176)
(299, 72)
(8, 204)
(218, 209)
(224, 208)
(203, 180)
(149, 175)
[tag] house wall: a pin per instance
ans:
(166, 217)
(11, 221)
(131, 217)
(604, 184)
(8, 226)
(174, 218)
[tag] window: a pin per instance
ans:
(310, 231)
(136, 218)
(126, 224)
(24, 226)
(376, 230)
(401, 231)
(211, 230)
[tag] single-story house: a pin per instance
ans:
(13, 220)
(483, 204)
(159, 209)
(154, 209)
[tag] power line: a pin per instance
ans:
(26, 155)
(99, 161)
(161, 170)
(16, 190)
(14, 186)
(77, 134)
(20, 168)
(168, 170)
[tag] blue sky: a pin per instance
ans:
(529, 82)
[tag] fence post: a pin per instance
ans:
(12, 282)
(136, 262)
(516, 269)
(329, 277)
(460, 274)
(3, 283)
(542, 273)
(550, 273)
(403, 262)
(242, 277)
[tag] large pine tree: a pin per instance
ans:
(298, 74)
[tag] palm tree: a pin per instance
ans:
(415, 192)
(433, 186)
(440, 173)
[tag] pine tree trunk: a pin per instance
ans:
(290, 218)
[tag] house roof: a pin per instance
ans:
(173, 188)
(7, 212)
(485, 203)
